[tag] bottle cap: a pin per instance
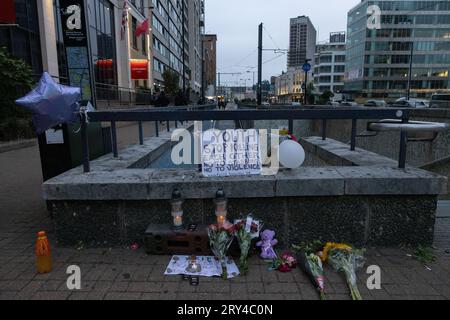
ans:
(42, 234)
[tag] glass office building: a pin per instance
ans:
(22, 38)
(378, 60)
(102, 38)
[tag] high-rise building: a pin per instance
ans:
(168, 22)
(210, 66)
(378, 59)
(196, 12)
(302, 43)
(329, 66)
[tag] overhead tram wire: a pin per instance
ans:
(271, 38)
(242, 60)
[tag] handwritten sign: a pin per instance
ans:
(231, 153)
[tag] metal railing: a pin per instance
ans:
(110, 96)
(192, 113)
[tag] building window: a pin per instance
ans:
(144, 45)
(24, 41)
(133, 32)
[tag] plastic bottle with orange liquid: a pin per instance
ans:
(43, 254)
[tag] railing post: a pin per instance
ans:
(324, 129)
(85, 144)
(141, 133)
(291, 126)
(353, 140)
(403, 147)
(157, 128)
(114, 139)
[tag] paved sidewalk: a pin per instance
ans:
(124, 274)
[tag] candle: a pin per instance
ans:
(220, 220)
(178, 221)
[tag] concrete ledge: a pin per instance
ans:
(338, 153)
(153, 184)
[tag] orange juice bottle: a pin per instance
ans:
(43, 255)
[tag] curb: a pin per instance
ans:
(15, 145)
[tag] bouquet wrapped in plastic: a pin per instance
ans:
(311, 264)
(220, 239)
(246, 230)
(348, 260)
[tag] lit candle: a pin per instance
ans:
(177, 210)
(178, 221)
(221, 220)
(221, 207)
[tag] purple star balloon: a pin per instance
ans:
(51, 103)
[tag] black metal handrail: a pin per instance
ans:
(191, 113)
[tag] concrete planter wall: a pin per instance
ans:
(374, 220)
(359, 198)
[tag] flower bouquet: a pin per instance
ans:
(284, 263)
(311, 264)
(220, 239)
(346, 259)
(246, 231)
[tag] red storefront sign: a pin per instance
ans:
(139, 69)
(7, 11)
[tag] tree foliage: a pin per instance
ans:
(171, 82)
(326, 97)
(16, 79)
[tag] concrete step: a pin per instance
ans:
(443, 210)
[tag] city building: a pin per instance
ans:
(170, 52)
(288, 86)
(196, 13)
(329, 66)
(378, 59)
(130, 43)
(302, 41)
(210, 66)
(20, 30)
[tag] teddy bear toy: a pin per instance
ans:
(266, 244)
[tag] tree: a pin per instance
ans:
(325, 97)
(310, 93)
(171, 82)
(16, 79)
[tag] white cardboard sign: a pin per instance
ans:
(53, 136)
(231, 153)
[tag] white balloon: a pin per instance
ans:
(292, 154)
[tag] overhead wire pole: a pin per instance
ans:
(260, 50)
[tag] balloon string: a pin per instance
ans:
(83, 111)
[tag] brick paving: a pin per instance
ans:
(121, 274)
